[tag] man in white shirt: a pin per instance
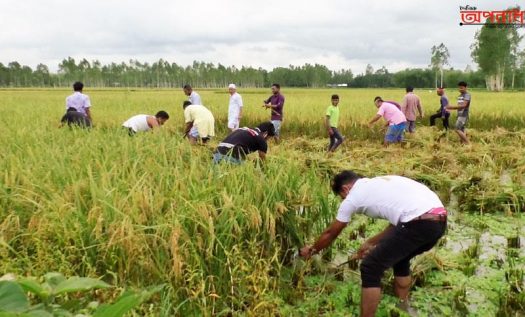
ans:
(417, 221)
(144, 122)
(79, 101)
(193, 96)
(234, 108)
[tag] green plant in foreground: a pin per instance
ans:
(58, 296)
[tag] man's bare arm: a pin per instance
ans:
(326, 238)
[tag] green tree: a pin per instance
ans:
(438, 60)
(493, 51)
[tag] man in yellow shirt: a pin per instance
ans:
(200, 123)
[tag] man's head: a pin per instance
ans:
(162, 116)
(232, 89)
(78, 86)
(267, 129)
(335, 100)
(276, 88)
(462, 86)
(343, 182)
(378, 101)
(185, 104)
(410, 89)
(71, 109)
(440, 91)
(187, 89)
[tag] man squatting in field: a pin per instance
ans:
(463, 107)
(79, 102)
(244, 141)
(331, 122)
(200, 123)
(144, 122)
(276, 103)
(417, 219)
(395, 121)
(75, 118)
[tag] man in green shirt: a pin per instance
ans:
(331, 122)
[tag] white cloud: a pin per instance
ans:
(336, 33)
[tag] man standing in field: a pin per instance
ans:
(193, 96)
(463, 108)
(417, 219)
(331, 121)
(234, 108)
(442, 112)
(409, 104)
(395, 121)
(276, 104)
(79, 101)
(244, 141)
(200, 123)
(144, 122)
(75, 118)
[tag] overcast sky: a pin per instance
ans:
(337, 33)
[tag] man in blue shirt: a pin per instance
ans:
(442, 112)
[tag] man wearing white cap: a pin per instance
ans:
(235, 108)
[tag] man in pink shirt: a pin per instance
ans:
(396, 121)
(409, 105)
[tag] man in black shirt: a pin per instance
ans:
(243, 141)
(75, 118)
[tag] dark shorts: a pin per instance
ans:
(397, 249)
(130, 131)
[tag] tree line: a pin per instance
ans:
(495, 50)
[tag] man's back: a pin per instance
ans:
(197, 113)
(391, 113)
(138, 123)
(391, 197)
(242, 142)
(79, 101)
(409, 106)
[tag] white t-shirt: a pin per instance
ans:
(235, 107)
(194, 98)
(138, 123)
(394, 198)
(78, 101)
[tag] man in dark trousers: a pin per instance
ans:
(417, 221)
(442, 112)
(243, 141)
(75, 118)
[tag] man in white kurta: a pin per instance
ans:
(234, 108)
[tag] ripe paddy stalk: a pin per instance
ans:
(151, 209)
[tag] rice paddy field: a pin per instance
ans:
(151, 210)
